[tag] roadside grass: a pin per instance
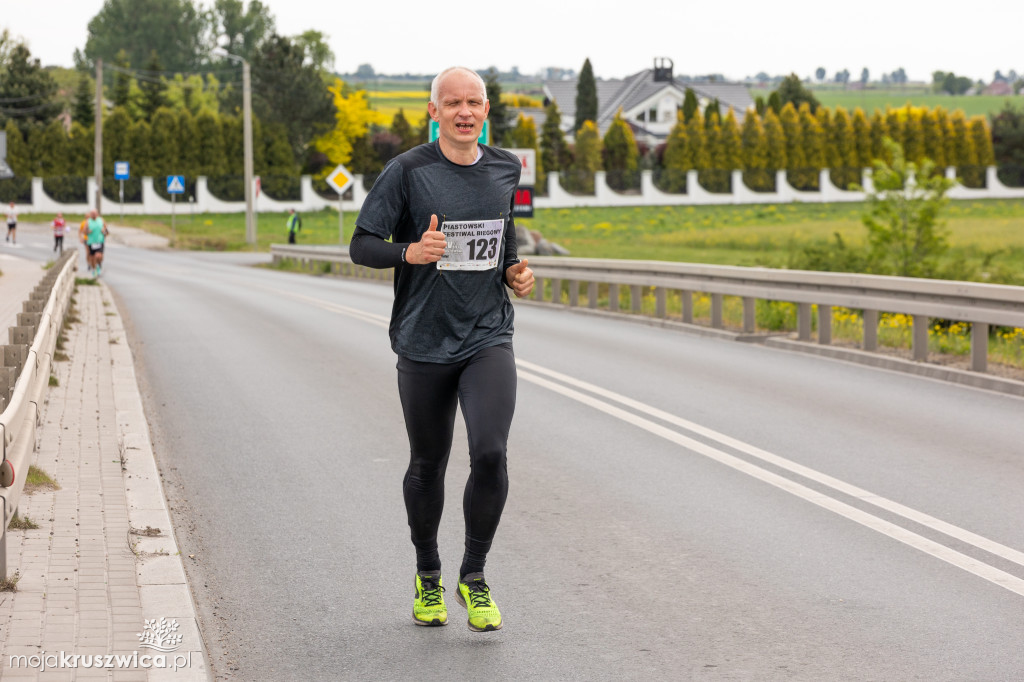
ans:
(10, 583)
(22, 523)
(37, 480)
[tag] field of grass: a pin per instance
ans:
(869, 100)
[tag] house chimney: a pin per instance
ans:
(662, 70)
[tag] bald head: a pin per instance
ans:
(435, 86)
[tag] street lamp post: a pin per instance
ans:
(250, 215)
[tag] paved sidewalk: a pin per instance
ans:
(103, 562)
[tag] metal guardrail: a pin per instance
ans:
(983, 305)
(24, 377)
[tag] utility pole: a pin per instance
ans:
(98, 152)
(250, 217)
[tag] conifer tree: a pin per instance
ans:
(712, 175)
(554, 150)
(845, 171)
(933, 144)
(81, 147)
(401, 127)
(861, 128)
(690, 105)
(964, 155)
(621, 157)
(775, 102)
(17, 152)
(83, 109)
(730, 143)
(700, 144)
(946, 133)
(139, 152)
(164, 144)
(830, 155)
(152, 87)
(209, 145)
(913, 135)
(755, 154)
(677, 158)
(586, 158)
(498, 115)
(122, 81)
(586, 96)
(879, 131)
(231, 132)
(188, 153)
(52, 151)
(713, 113)
(795, 155)
(775, 145)
(981, 139)
(814, 146)
(893, 128)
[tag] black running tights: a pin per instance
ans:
(485, 386)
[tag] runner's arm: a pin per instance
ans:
(370, 250)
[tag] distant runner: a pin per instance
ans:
(12, 224)
(59, 228)
(97, 235)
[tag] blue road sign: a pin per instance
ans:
(175, 184)
(121, 170)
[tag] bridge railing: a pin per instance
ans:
(24, 377)
(575, 282)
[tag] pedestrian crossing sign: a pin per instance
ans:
(175, 184)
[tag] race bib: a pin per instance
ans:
(472, 244)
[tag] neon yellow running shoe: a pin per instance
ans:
(429, 608)
(483, 612)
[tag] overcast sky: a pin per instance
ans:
(738, 38)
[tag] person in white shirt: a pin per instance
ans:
(12, 224)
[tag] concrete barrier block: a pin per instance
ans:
(15, 356)
(34, 306)
(29, 319)
(21, 335)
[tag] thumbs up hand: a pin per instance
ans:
(429, 248)
(520, 278)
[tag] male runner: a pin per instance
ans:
(447, 208)
(97, 235)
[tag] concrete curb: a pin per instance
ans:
(160, 571)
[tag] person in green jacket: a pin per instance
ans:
(294, 224)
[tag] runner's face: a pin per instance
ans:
(461, 109)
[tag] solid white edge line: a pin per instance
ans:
(983, 543)
(962, 561)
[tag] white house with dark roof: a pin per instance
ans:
(649, 100)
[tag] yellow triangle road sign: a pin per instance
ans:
(340, 179)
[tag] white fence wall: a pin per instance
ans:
(649, 195)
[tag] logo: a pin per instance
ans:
(159, 635)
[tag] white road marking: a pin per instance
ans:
(931, 522)
(967, 563)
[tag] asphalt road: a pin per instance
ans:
(680, 507)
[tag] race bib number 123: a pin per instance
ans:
(472, 244)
